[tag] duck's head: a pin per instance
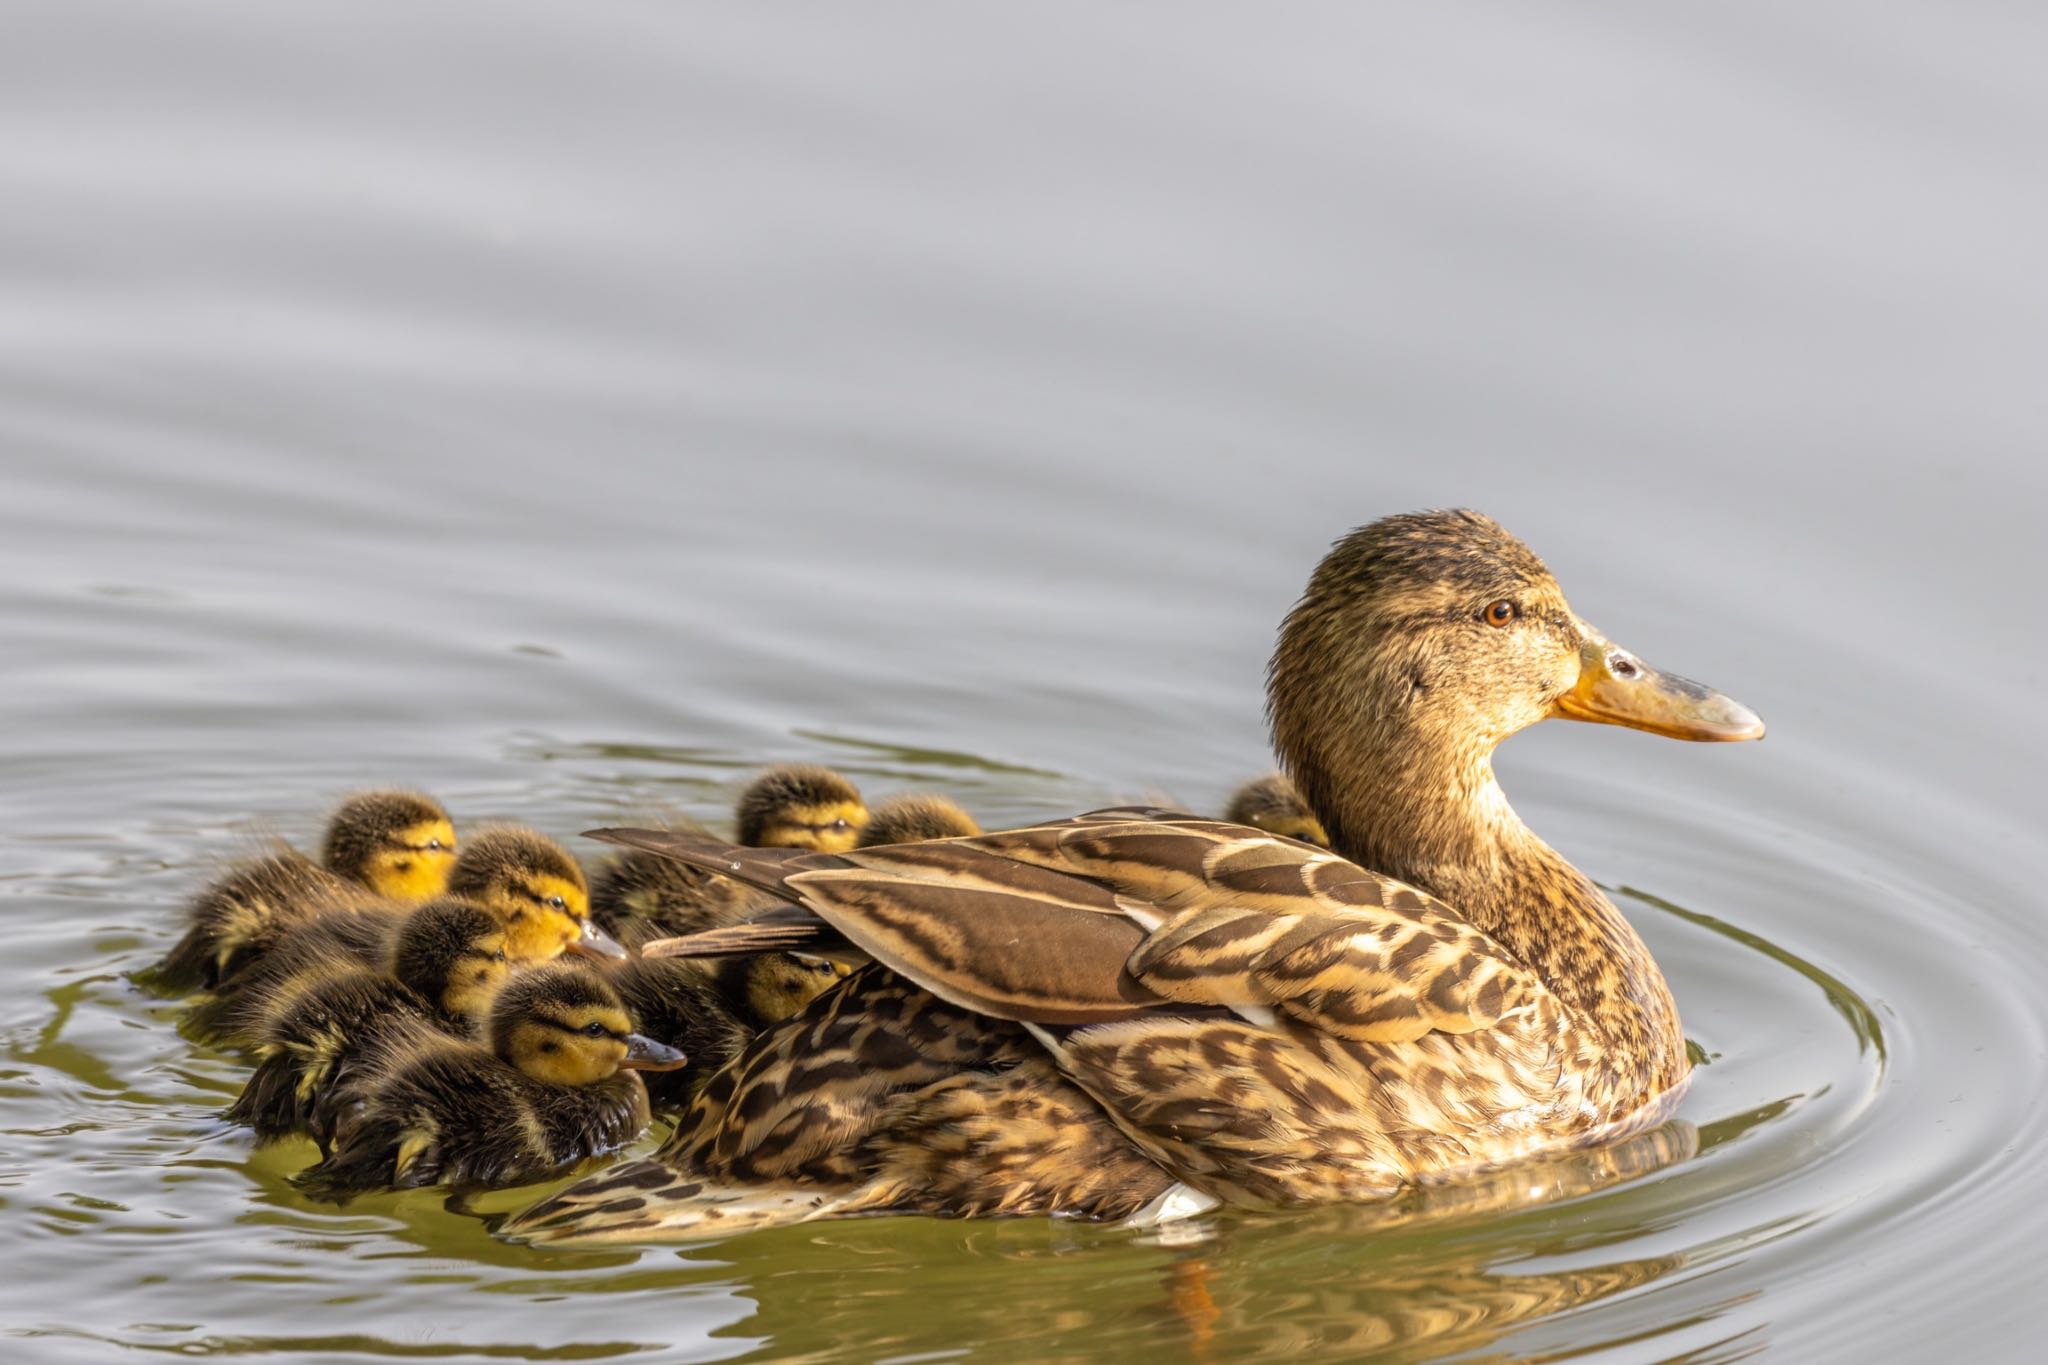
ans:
(1422, 642)
(536, 890)
(914, 817)
(798, 805)
(400, 844)
(452, 951)
(1272, 804)
(561, 1023)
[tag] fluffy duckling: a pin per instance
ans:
(800, 805)
(915, 816)
(1272, 804)
(537, 890)
(312, 1011)
(712, 1008)
(640, 897)
(556, 1082)
(397, 845)
(529, 884)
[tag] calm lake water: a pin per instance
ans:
(571, 408)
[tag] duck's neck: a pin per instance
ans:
(1439, 821)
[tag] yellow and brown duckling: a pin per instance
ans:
(639, 897)
(1272, 804)
(911, 817)
(555, 1081)
(312, 1010)
(537, 889)
(528, 883)
(1136, 1010)
(396, 846)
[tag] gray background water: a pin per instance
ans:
(568, 408)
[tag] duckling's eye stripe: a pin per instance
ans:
(582, 1030)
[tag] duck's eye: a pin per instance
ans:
(594, 1029)
(434, 845)
(558, 902)
(1500, 612)
(842, 823)
(498, 956)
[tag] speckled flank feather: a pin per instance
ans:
(1073, 1016)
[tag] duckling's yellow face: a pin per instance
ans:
(821, 826)
(571, 1044)
(543, 915)
(778, 984)
(582, 1043)
(475, 976)
(412, 864)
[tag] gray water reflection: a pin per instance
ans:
(571, 410)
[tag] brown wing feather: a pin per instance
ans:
(1043, 924)
(1258, 920)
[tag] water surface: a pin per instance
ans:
(570, 409)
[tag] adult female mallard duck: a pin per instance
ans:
(1134, 1008)
(396, 846)
(640, 896)
(1272, 804)
(554, 1083)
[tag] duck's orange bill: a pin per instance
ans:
(1617, 688)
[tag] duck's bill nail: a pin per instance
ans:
(595, 942)
(644, 1054)
(1617, 688)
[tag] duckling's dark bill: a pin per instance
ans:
(644, 1054)
(595, 942)
(1616, 688)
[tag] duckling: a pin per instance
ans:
(712, 1008)
(915, 816)
(537, 890)
(1272, 804)
(556, 1082)
(639, 897)
(397, 845)
(312, 1010)
(527, 882)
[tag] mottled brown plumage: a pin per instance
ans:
(380, 846)
(1261, 1022)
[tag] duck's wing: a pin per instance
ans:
(1259, 922)
(1122, 912)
